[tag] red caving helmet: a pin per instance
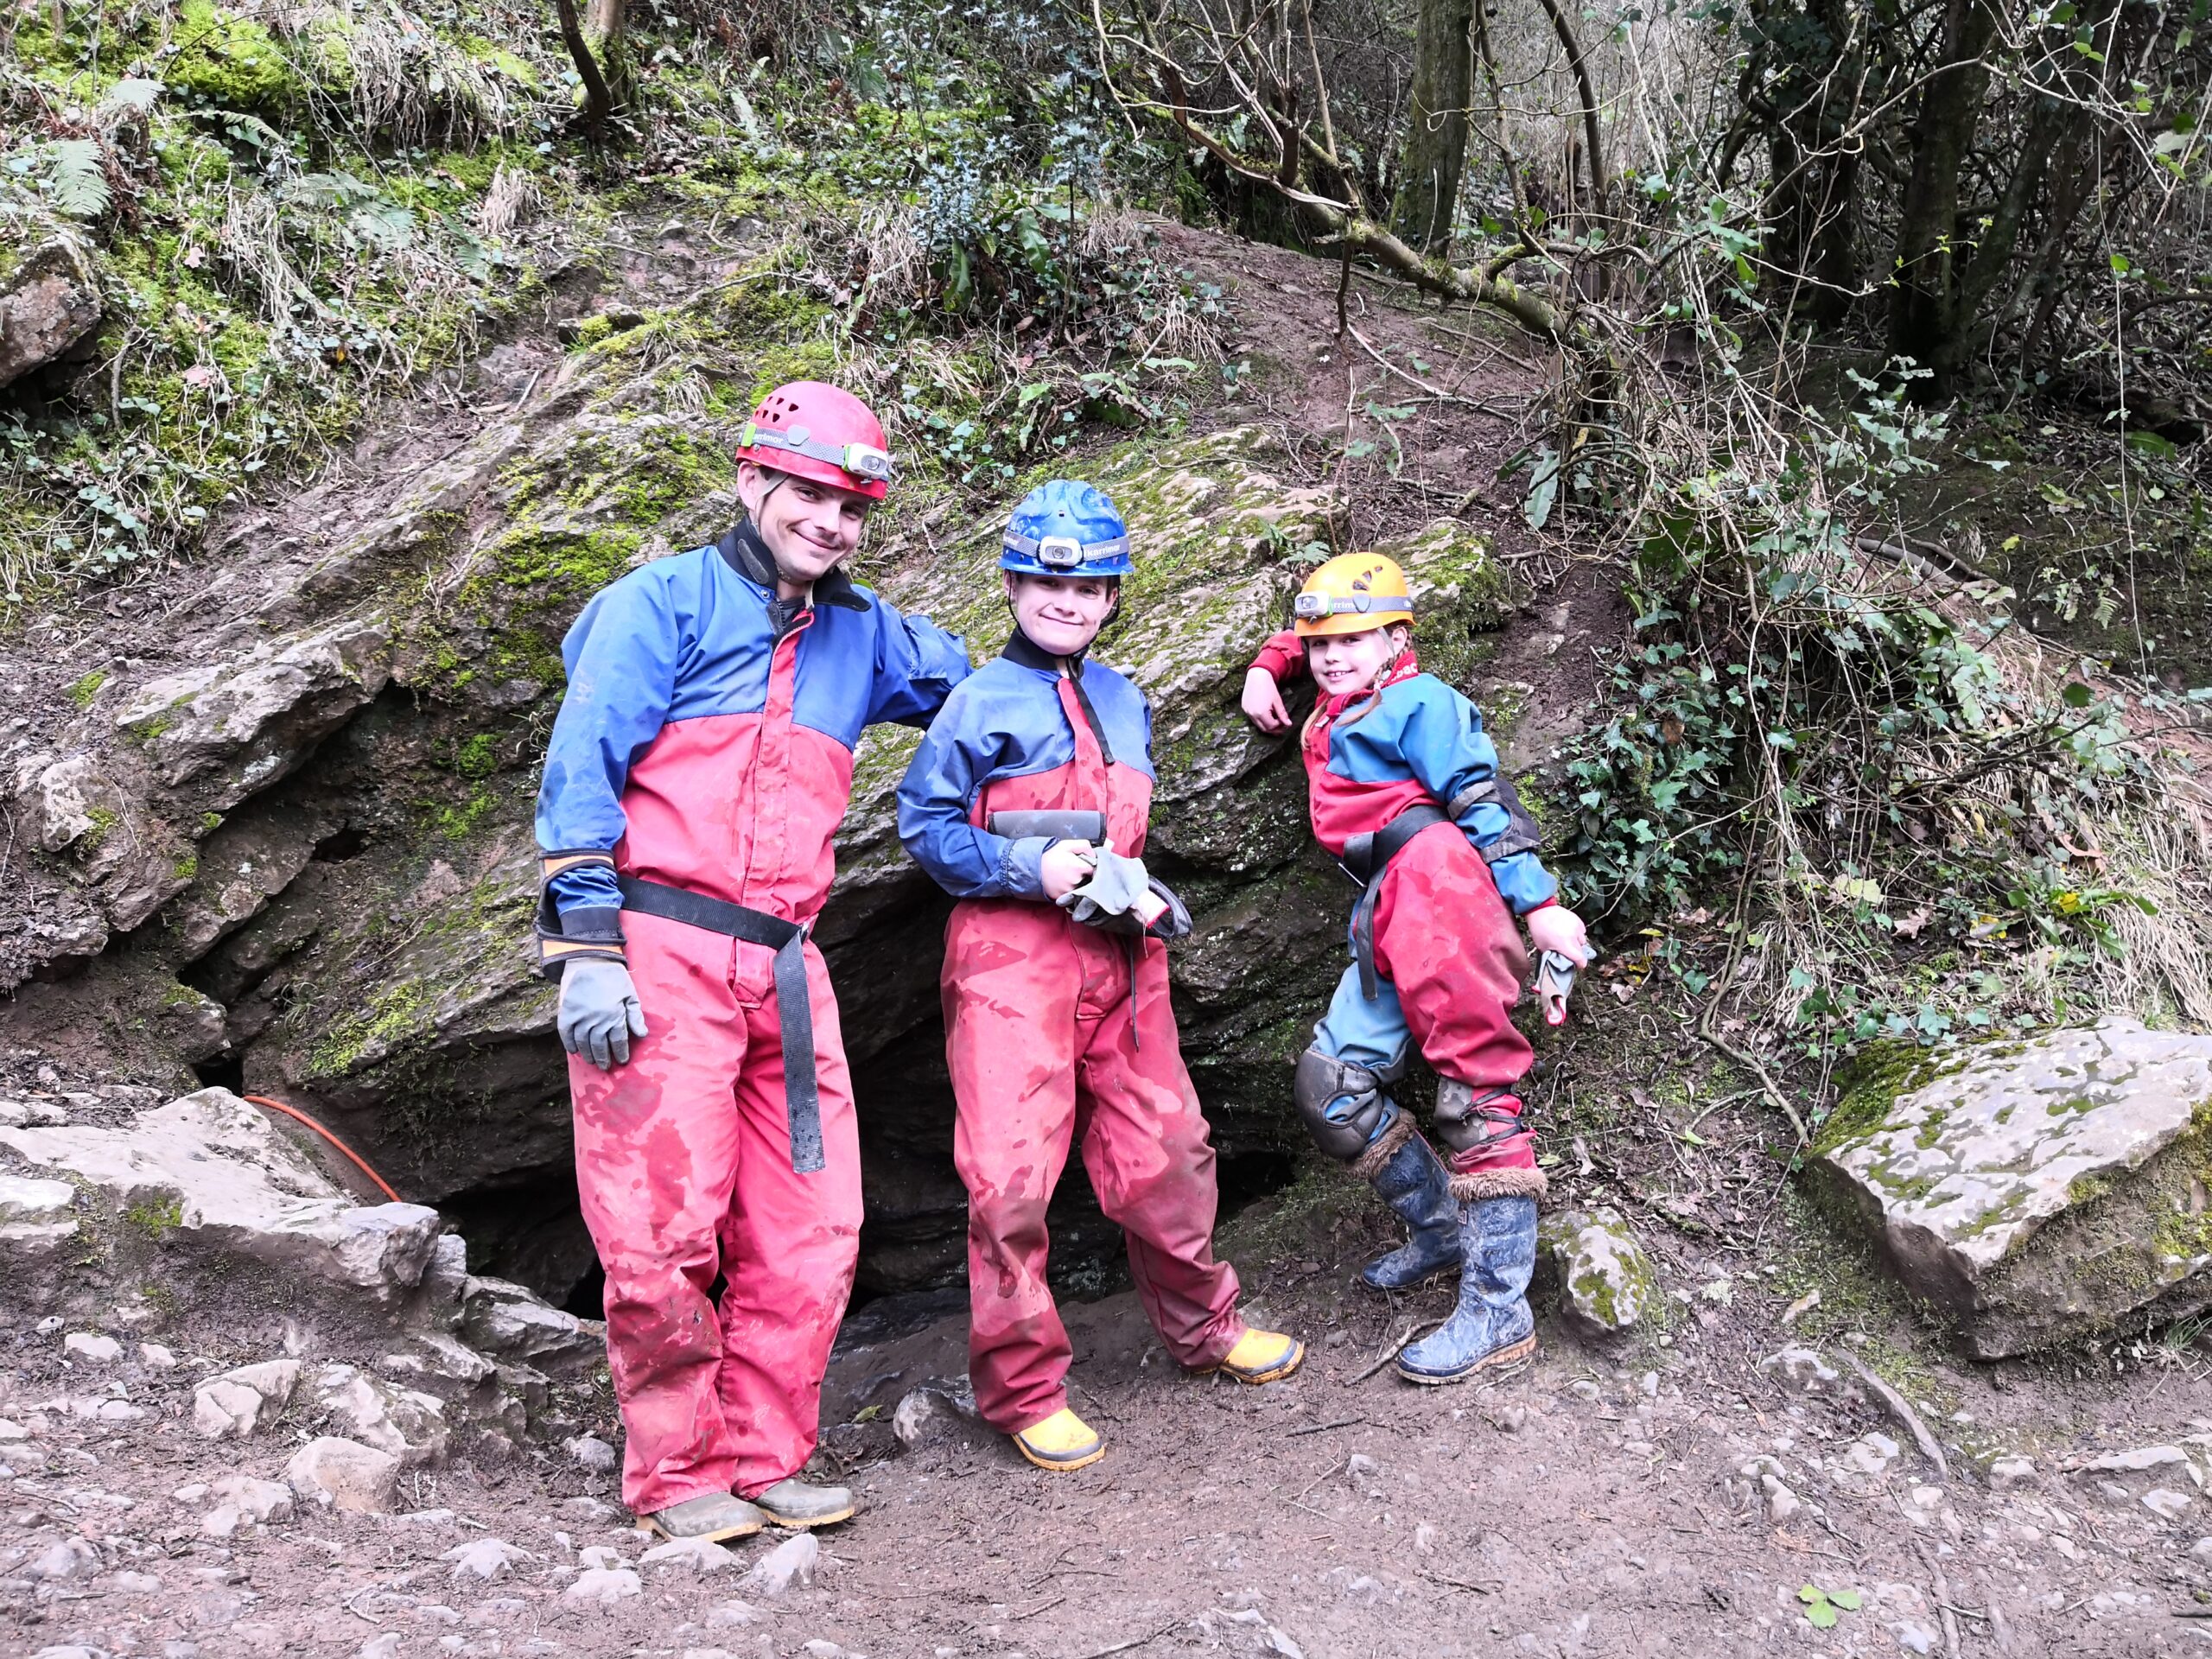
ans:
(810, 429)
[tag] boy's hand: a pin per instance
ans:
(1557, 928)
(1263, 704)
(1066, 867)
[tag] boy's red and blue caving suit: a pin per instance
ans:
(1057, 1030)
(701, 761)
(1439, 959)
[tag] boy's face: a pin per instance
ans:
(1060, 615)
(808, 526)
(1351, 662)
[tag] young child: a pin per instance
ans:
(1027, 801)
(1406, 792)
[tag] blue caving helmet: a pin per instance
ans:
(1064, 528)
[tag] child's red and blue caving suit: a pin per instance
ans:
(1404, 789)
(1057, 1031)
(701, 761)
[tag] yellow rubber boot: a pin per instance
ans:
(1062, 1441)
(1263, 1357)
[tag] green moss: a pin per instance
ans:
(1868, 1087)
(104, 820)
(86, 690)
(228, 60)
(185, 865)
(157, 1217)
(396, 1012)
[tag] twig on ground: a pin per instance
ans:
(1323, 1428)
(1901, 1408)
(1388, 1354)
(1042, 1606)
(1459, 1584)
(1133, 1641)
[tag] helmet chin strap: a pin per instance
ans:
(774, 480)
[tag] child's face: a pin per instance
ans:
(1061, 614)
(1351, 662)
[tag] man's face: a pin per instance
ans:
(1060, 615)
(1351, 662)
(808, 526)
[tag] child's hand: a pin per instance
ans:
(1263, 702)
(1066, 867)
(1557, 928)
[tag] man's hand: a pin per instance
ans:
(1066, 867)
(599, 1011)
(1263, 704)
(1557, 928)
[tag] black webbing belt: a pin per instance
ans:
(788, 940)
(1365, 859)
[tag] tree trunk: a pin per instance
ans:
(607, 25)
(1926, 317)
(1436, 127)
(1812, 212)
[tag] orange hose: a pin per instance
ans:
(359, 1162)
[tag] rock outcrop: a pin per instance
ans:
(206, 1204)
(2042, 1191)
(294, 847)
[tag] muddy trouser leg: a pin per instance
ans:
(789, 1241)
(1010, 995)
(1446, 940)
(1152, 1165)
(1361, 1044)
(659, 1143)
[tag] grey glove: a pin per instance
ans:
(599, 1011)
(1116, 882)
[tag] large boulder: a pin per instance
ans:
(2040, 1192)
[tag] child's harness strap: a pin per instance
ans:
(1365, 859)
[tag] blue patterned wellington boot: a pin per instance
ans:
(1413, 1182)
(1492, 1325)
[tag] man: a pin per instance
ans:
(699, 766)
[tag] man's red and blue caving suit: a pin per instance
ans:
(700, 764)
(1057, 1030)
(1404, 788)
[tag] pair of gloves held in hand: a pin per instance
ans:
(599, 1013)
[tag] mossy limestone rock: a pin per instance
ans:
(1608, 1289)
(2044, 1191)
(49, 296)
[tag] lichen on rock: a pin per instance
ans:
(1607, 1289)
(2041, 1191)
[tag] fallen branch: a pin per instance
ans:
(1901, 1408)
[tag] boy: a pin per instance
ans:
(1405, 790)
(698, 767)
(1027, 801)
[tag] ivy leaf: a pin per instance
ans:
(1821, 1615)
(1846, 1599)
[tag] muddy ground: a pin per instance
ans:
(1592, 1504)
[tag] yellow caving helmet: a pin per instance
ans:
(1350, 593)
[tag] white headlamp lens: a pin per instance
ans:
(1312, 606)
(863, 461)
(1059, 552)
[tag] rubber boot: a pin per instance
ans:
(714, 1517)
(1492, 1325)
(795, 1504)
(1415, 1184)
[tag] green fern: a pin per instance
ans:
(76, 183)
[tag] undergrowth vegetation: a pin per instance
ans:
(291, 208)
